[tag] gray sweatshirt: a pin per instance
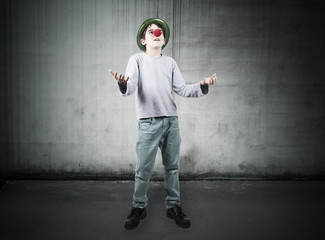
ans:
(153, 79)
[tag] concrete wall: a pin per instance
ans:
(62, 115)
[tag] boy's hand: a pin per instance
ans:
(210, 80)
(120, 78)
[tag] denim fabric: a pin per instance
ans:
(162, 132)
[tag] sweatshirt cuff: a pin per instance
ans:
(123, 89)
(204, 89)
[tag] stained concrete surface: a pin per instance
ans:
(218, 209)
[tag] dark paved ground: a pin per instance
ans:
(219, 210)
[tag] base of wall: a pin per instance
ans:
(158, 177)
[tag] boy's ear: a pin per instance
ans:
(143, 42)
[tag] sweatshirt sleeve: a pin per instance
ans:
(186, 90)
(132, 71)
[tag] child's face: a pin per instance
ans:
(151, 40)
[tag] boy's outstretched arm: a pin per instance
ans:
(121, 79)
(191, 90)
(210, 80)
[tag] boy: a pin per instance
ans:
(153, 76)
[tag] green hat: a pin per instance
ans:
(145, 24)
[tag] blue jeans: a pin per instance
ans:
(162, 132)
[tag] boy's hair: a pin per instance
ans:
(145, 30)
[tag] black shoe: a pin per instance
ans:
(134, 218)
(180, 218)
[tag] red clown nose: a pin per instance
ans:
(157, 32)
